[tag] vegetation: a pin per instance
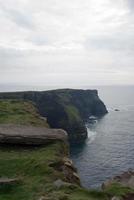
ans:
(20, 112)
(118, 190)
(72, 113)
(32, 166)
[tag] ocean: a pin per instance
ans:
(109, 148)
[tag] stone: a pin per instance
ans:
(115, 198)
(68, 163)
(44, 198)
(59, 183)
(129, 197)
(8, 181)
(76, 175)
(125, 179)
(30, 135)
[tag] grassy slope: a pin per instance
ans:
(20, 112)
(31, 165)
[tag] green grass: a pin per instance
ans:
(73, 113)
(118, 190)
(83, 194)
(31, 165)
(20, 112)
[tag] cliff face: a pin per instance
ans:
(65, 108)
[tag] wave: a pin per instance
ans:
(91, 135)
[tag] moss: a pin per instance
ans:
(20, 112)
(73, 113)
(117, 189)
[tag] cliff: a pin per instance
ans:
(34, 160)
(65, 108)
(33, 157)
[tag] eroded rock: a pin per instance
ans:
(125, 179)
(66, 166)
(29, 135)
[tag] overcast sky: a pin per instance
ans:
(72, 42)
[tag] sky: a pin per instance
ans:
(66, 43)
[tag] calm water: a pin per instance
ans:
(109, 149)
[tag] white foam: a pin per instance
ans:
(91, 135)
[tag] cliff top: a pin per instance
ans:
(20, 112)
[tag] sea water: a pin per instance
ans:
(109, 148)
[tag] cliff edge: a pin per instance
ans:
(65, 108)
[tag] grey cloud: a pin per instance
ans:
(21, 18)
(118, 42)
(131, 4)
(39, 40)
(54, 43)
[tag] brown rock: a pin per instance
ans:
(125, 179)
(129, 197)
(66, 166)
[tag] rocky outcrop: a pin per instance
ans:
(65, 165)
(9, 181)
(29, 135)
(66, 108)
(126, 179)
(124, 186)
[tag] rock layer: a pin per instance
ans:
(29, 135)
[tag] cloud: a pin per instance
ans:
(131, 4)
(20, 17)
(66, 42)
(118, 42)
